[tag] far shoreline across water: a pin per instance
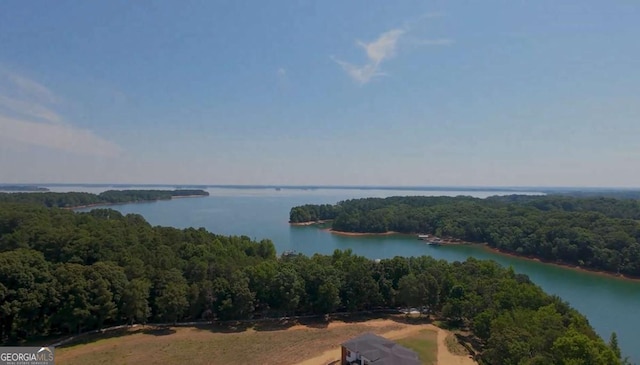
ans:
(97, 205)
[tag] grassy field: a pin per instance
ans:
(425, 344)
(279, 344)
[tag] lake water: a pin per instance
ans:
(608, 303)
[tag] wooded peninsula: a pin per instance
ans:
(599, 233)
(64, 272)
(76, 199)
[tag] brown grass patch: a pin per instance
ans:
(454, 346)
(213, 346)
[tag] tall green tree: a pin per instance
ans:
(74, 312)
(172, 301)
(288, 289)
(135, 301)
(101, 305)
(411, 291)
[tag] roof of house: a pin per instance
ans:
(380, 351)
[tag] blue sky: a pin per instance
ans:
(328, 92)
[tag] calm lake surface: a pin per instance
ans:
(608, 303)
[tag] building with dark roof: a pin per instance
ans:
(371, 349)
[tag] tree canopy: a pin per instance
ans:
(63, 272)
(594, 232)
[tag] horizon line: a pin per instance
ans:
(332, 186)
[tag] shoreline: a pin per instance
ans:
(561, 264)
(311, 223)
(485, 246)
(442, 242)
(106, 204)
(360, 234)
(185, 196)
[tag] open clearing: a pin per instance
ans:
(425, 343)
(281, 344)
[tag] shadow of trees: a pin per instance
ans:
(270, 324)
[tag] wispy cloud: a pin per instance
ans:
(433, 42)
(58, 136)
(377, 51)
(28, 109)
(31, 88)
(283, 83)
(28, 115)
(384, 48)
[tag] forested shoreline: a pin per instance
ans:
(597, 233)
(63, 272)
(22, 188)
(78, 199)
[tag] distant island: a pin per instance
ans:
(22, 188)
(596, 233)
(79, 200)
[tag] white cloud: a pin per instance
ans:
(377, 51)
(28, 115)
(385, 48)
(282, 72)
(362, 74)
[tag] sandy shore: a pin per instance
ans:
(309, 223)
(359, 234)
(394, 233)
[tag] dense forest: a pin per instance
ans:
(615, 193)
(595, 232)
(75, 199)
(63, 272)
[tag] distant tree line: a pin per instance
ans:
(598, 233)
(612, 193)
(63, 272)
(610, 207)
(22, 188)
(76, 199)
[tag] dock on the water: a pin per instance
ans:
(430, 240)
